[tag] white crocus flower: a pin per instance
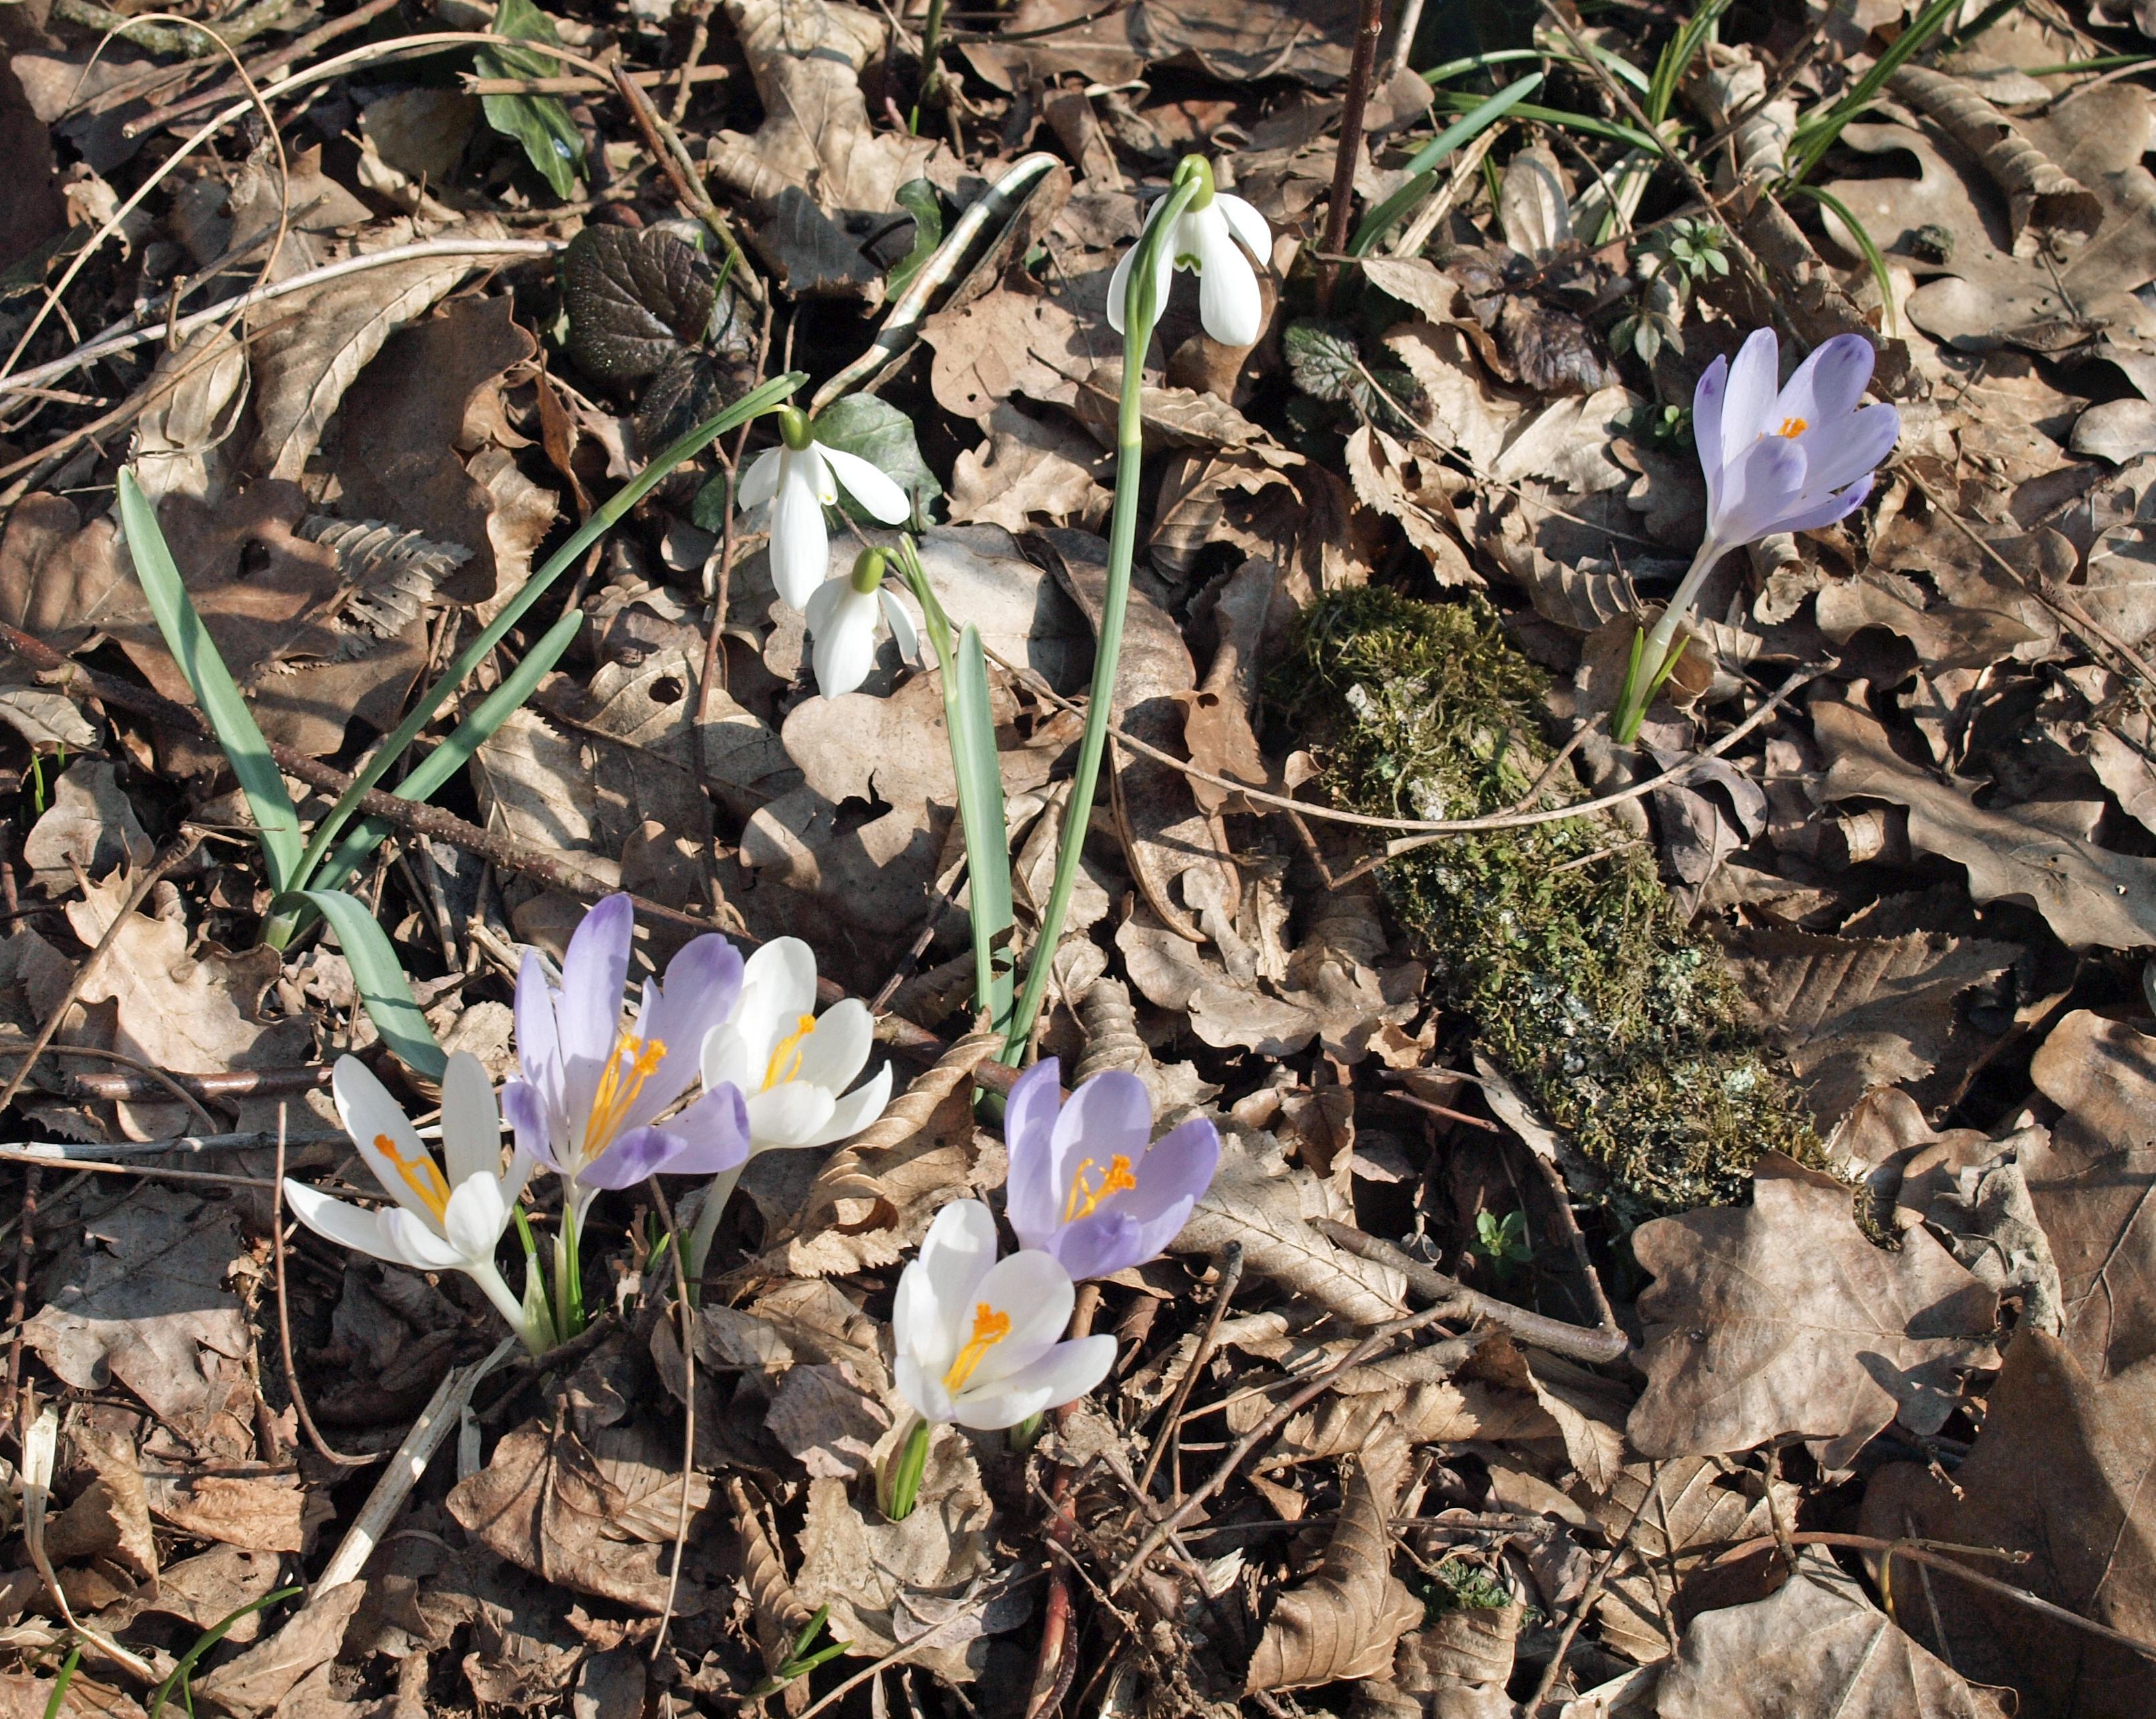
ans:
(448, 1216)
(1229, 305)
(979, 1340)
(800, 478)
(842, 619)
(792, 1064)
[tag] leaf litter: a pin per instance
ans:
(1809, 1080)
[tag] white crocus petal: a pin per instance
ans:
(336, 1220)
(868, 483)
(760, 482)
(834, 1052)
(725, 1058)
(471, 1121)
(419, 1246)
(475, 1218)
(800, 545)
(1229, 305)
(933, 1307)
(842, 624)
(855, 1111)
(388, 1143)
(1064, 1374)
(1247, 224)
(786, 1115)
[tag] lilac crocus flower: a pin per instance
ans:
(591, 1090)
(1792, 459)
(1084, 1187)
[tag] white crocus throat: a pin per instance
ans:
(792, 1064)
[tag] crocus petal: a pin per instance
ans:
(375, 1121)
(1858, 443)
(336, 1220)
(595, 970)
(788, 1114)
(901, 624)
(703, 983)
(476, 1216)
(800, 545)
(1062, 1375)
(1099, 1246)
(1828, 383)
(471, 1125)
(417, 1244)
(1748, 402)
(725, 1057)
(1828, 509)
(1109, 1116)
(1706, 404)
(760, 482)
(922, 1388)
(838, 1049)
(1247, 224)
(538, 1043)
(1033, 1198)
(778, 987)
(1176, 1169)
(844, 649)
(1229, 305)
(933, 1307)
(633, 1154)
(1036, 1295)
(527, 1115)
(869, 485)
(710, 1137)
(1762, 482)
(856, 1109)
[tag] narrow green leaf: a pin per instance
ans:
(439, 765)
(603, 520)
(541, 123)
(377, 973)
(981, 805)
(207, 1640)
(1424, 167)
(1865, 243)
(196, 653)
(1817, 133)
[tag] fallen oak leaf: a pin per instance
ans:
(1781, 1318)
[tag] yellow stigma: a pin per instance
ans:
(786, 1056)
(1083, 1199)
(424, 1178)
(1792, 428)
(990, 1328)
(632, 1062)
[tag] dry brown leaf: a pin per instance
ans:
(1008, 343)
(1388, 478)
(1171, 418)
(544, 1503)
(1854, 1014)
(89, 824)
(1440, 1411)
(254, 1514)
(2088, 894)
(60, 579)
(1264, 1205)
(1216, 721)
(779, 1612)
(2090, 1186)
(1202, 502)
(1028, 466)
(1232, 42)
(1949, 635)
(1781, 1318)
(260, 1678)
(1467, 412)
(111, 1516)
(827, 1420)
(183, 442)
(1344, 1620)
(1818, 1645)
(2060, 1472)
(1587, 1409)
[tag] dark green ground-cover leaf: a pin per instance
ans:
(541, 123)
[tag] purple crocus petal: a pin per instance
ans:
(635, 1154)
(522, 1103)
(1177, 1169)
(1109, 1116)
(1707, 403)
(1851, 450)
(1748, 402)
(1828, 384)
(712, 1135)
(1032, 1196)
(1763, 481)
(538, 1043)
(587, 1013)
(702, 983)
(1828, 509)
(1101, 1245)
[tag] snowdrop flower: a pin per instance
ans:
(1085, 1187)
(1229, 305)
(1792, 459)
(979, 1340)
(801, 478)
(591, 1090)
(842, 617)
(443, 1220)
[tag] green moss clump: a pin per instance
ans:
(1624, 1029)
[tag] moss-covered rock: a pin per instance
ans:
(1557, 939)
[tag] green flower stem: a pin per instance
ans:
(932, 40)
(899, 1485)
(1141, 309)
(1653, 661)
(569, 1273)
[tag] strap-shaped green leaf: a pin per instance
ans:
(1423, 169)
(196, 653)
(377, 973)
(981, 806)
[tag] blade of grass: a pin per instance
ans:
(60, 1682)
(209, 1640)
(1585, 123)
(197, 654)
(980, 804)
(1816, 136)
(603, 519)
(377, 975)
(1872, 258)
(1676, 58)
(1427, 159)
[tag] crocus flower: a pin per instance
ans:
(794, 1066)
(1229, 305)
(445, 1218)
(1084, 1187)
(803, 476)
(1792, 459)
(980, 1339)
(842, 617)
(591, 1088)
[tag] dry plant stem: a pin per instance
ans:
(666, 143)
(578, 85)
(103, 1087)
(1362, 1351)
(1574, 1341)
(1361, 69)
(1231, 1275)
(355, 19)
(25, 1248)
(284, 1319)
(714, 653)
(688, 1413)
(14, 1155)
(698, 39)
(1569, 1221)
(1532, 1709)
(174, 854)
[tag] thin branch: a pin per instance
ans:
(285, 1321)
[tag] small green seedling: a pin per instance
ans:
(799, 1662)
(1502, 1241)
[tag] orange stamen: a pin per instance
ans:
(990, 1328)
(786, 1057)
(1792, 428)
(634, 1062)
(1083, 1199)
(424, 1178)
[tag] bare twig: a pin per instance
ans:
(118, 1086)
(357, 18)
(1231, 1274)
(688, 1413)
(1534, 1705)
(1569, 1221)
(1362, 70)
(665, 144)
(284, 1320)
